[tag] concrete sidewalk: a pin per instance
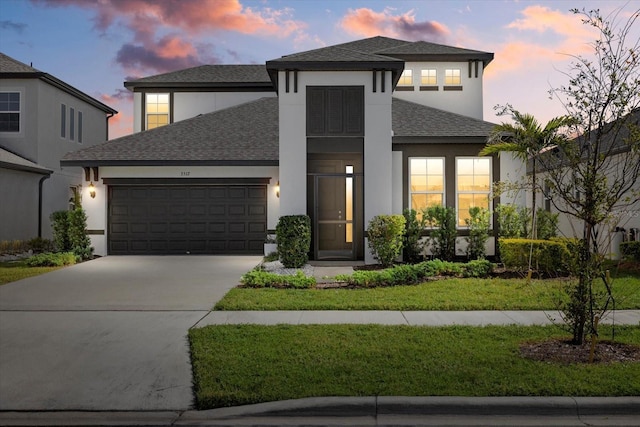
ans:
(411, 318)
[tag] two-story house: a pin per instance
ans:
(341, 133)
(41, 119)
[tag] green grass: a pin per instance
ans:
(446, 294)
(17, 270)
(245, 364)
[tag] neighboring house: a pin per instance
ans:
(341, 133)
(624, 222)
(41, 119)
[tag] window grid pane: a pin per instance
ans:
(157, 109)
(426, 183)
(452, 76)
(429, 77)
(406, 79)
(473, 186)
(9, 111)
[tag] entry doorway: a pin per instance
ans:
(335, 207)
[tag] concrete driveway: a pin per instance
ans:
(108, 334)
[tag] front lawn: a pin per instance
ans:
(17, 270)
(245, 364)
(445, 294)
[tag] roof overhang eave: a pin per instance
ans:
(99, 163)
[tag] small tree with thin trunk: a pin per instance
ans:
(595, 172)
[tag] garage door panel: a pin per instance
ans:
(237, 227)
(237, 210)
(164, 219)
(139, 228)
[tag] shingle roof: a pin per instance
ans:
(248, 135)
(242, 135)
(210, 75)
(9, 160)
(10, 65)
(416, 120)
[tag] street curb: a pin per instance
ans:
(416, 406)
(366, 409)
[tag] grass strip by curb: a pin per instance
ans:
(245, 364)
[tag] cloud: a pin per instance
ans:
(367, 22)
(169, 53)
(18, 27)
(542, 37)
(162, 30)
(192, 16)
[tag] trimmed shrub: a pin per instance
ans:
(78, 238)
(385, 237)
(412, 245)
(510, 221)
(443, 235)
(60, 225)
(293, 234)
(411, 274)
(477, 268)
(478, 224)
(546, 255)
(264, 279)
(630, 250)
(51, 259)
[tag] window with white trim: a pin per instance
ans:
(157, 110)
(452, 77)
(426, 182)
(9, 111)
(473, 185)
(428, 77)
(80, 127)
(406, 79)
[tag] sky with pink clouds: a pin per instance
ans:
(96, 45)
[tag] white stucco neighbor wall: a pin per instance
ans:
(513, 170)
(40, 141)
(467, 101)
(377, 142)
(97, 208)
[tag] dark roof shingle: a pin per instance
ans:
(207, 74)
(416, 120)
(241, 135)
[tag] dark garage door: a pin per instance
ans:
(196, 219)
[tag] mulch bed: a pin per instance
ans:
(562, 351)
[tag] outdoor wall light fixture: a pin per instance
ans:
(278, 189)
(92, 190)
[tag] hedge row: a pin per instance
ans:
(548, 256)
(631, 250)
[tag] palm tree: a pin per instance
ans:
(525, 139)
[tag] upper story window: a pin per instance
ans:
(157, 110)
(452, 77)
(473, 175)
(426, 182)
(9, 111)
(406, 79)
(72, 123)
(63, 121)
(429, 77)
(80, 126)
